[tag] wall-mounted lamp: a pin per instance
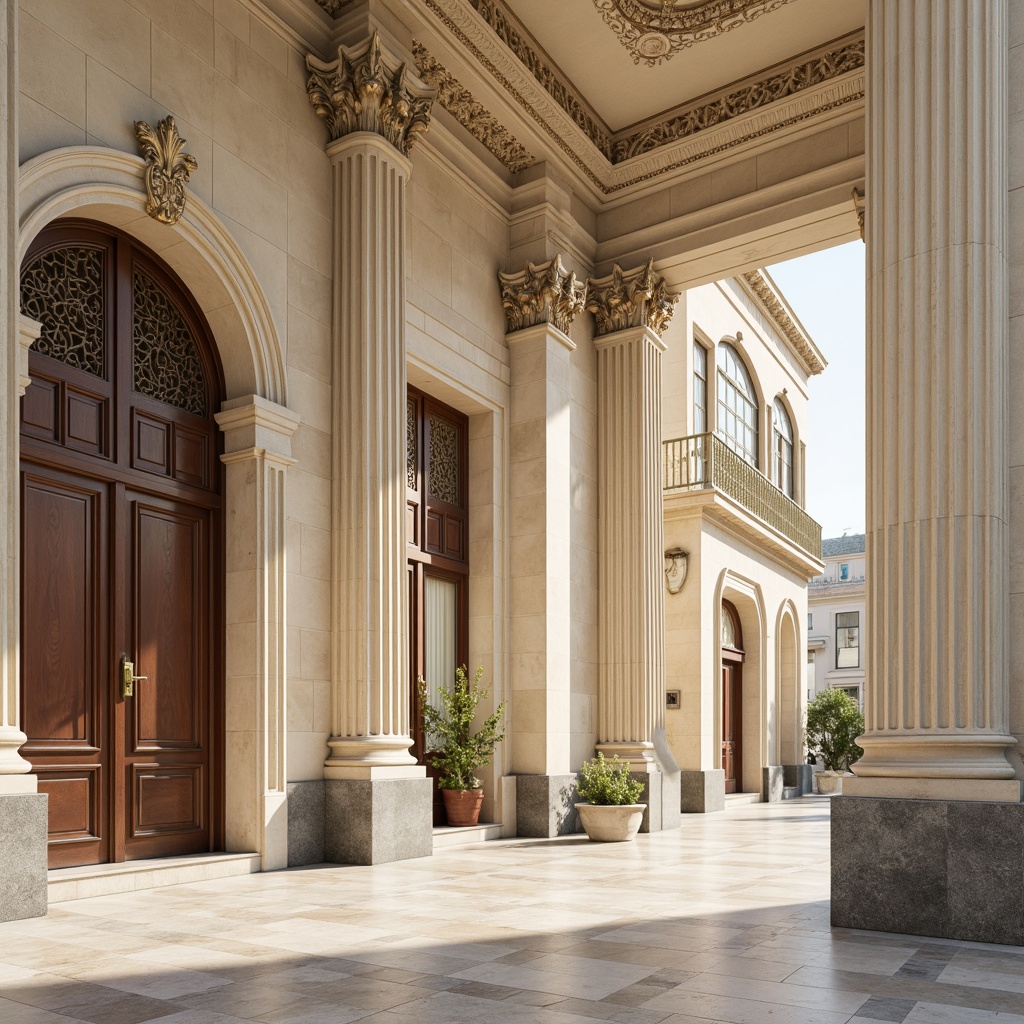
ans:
(675, 569)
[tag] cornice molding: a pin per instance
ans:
(471, 114)
(334, 7)
(807, 87)
(366, 89)
(633, 298)
(653, 31)
(767, 297)
(542, 293)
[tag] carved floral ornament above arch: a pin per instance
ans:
(654, 30)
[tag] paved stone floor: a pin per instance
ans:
(725, 919)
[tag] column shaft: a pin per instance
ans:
(631, 609)
(371, 687)
(937, 702)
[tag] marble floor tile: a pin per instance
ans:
(722, 921)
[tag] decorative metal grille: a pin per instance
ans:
(705, 460)
(444, 460)
(63, 289)
(165, 360)
(410, 444)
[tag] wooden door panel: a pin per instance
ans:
(169, 608)
(167, 799)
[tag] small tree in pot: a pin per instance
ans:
(610, 812)
(456, 750)
(833, 724)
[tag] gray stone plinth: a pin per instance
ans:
(952, 869)
(771, 783)
(798, 776)
(23, 831)
(701, 792)
(377, 821)
(661, 794)
(544, 806)
(307, 814)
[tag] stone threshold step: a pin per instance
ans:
(735, 799)
(81, 883)
(445, 836)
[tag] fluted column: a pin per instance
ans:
(632, 311)
(936, 700)
(373, 109)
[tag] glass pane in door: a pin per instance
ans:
(440, 628)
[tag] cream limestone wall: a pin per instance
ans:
(237, 89)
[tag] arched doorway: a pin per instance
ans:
(732, 699)
(122, 553)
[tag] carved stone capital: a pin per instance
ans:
(635, 298)
(367, 90)
(858, 208)
(167, 169)
(542, 293)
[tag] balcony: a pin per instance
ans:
(704, 465)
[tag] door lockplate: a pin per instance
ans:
(128, 677)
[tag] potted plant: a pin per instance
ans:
(833, 724)
(456, 750)
(610, 812)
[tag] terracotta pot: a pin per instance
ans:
(611, 823)
(462, 806)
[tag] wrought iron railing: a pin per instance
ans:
(705, 460)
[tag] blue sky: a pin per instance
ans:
(826, 291)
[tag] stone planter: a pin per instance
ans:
(830, 783)
(610, 823)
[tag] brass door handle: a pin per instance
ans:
(128, 677)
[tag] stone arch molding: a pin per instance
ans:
(106, 185)
(787, 690)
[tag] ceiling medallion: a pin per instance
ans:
(653, 30)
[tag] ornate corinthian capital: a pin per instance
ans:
(367, 90)
(543, 293)
(637, 298)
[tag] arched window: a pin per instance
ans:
(737, 404)
(782, 449)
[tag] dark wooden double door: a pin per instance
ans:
(121, 553)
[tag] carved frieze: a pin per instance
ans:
(472, 115)
(654, 30)
(335, 7)
(779, 86)
(635, 298)
(542, 293)
(167, 169)
(365, 90)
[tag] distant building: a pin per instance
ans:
(836, 620)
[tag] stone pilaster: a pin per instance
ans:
(937, 701)
(632, 311)
(257, 454)
(373, 108)
(540, 303)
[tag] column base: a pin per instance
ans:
(545, 806)
(641, 755)
(935, 756)
(377, 821)
(1000, 791)
(950, 869)
(307, 812)
(23, 831)
(702, 791)
(799, 777)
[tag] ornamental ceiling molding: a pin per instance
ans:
(335, 7)
(799, 343)
(634, 298)
(472, 115)
(808, 87)
(654, 30)
(366, 90)
(542, 293)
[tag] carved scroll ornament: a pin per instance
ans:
(366, 91)
(542, 293)
(167, 169)
(637, 298)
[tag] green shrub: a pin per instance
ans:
(457, 751)
(607, 782)
(833, 724)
